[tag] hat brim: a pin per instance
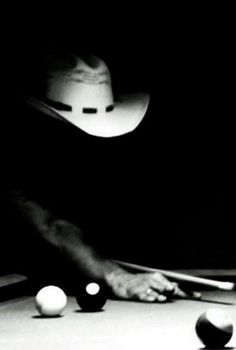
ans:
(125, 117)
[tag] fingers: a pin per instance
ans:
(184, 294)
(171, 289)
(148, 287)
(160, 289)
(140, 287)
(162, 284)
(151, 287)
(150, 296)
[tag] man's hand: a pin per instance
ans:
(147, 287)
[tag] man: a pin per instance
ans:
(67, 191)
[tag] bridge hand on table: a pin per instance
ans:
(149, 287)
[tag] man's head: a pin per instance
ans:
(80, 91)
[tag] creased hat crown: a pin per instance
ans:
(83, 84)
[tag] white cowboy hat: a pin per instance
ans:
(80, 92)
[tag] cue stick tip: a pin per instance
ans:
(228, 286)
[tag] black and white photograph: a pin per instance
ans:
(117, 177)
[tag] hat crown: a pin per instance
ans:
(80, 83)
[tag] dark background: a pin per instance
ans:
(179, 205)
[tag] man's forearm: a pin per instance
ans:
(64, 236)
(84, 257)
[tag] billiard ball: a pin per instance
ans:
(214, 327)
(91, 297)
(50, 301)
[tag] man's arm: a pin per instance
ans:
(69, 240)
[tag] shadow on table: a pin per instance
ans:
(203, 300)
(224, 348)
(48, 317)
(88, 311)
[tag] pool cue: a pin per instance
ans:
(12, 286)
(11, 279)
(180, 276)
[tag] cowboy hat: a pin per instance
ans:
(80, 91)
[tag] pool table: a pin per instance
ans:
(122, 325)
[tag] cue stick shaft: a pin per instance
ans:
(180, 276)
(11, 279)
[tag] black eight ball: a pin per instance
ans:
(91, 297)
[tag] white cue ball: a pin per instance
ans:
(50, 301)
(214, 327)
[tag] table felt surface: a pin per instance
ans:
(122, 325)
